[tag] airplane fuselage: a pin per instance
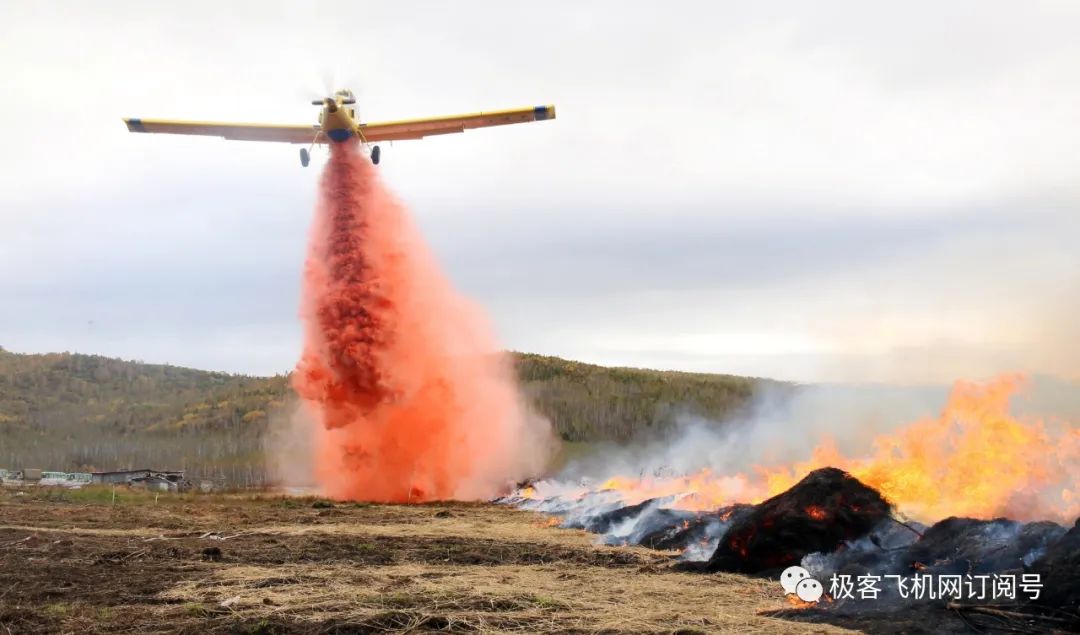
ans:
(338, 121)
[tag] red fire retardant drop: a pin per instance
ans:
(411, 398)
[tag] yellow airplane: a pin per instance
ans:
(338, 123)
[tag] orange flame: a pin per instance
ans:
(974, 459)
(701, 491)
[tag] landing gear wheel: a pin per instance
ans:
(305, 157)
(375, 155)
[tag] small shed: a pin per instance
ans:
(156, 484)
(120, 477)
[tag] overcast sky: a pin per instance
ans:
(810, 191)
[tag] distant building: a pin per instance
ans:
(159, 480)
(142, 477)
(64, 479)
(156, 484)
(119, 476)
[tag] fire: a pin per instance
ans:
(796, 603)
(816, 512)
(702, 491)
(974, 459)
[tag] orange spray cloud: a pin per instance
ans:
(412, 399)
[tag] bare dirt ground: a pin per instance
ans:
(75, 562)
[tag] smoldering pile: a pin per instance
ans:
(838, 528)
(818, 514)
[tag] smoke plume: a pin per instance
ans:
(987, 449)
(410, 397)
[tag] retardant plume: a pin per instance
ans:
(401, 372)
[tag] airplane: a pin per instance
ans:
(338, 123)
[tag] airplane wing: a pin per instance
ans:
(372, 132)
(420, 128)
(232, 131)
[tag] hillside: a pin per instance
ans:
(586, 402)
(57, 389)
(73, 411)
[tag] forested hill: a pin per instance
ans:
(59, 389)
(54, 402)
(591, 403)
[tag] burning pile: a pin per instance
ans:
(974, 459)
(849, 516)
(1058, 569)
(818, 514)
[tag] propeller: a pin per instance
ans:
(330, 103)
(336, 98)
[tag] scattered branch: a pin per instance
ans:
(906, 526)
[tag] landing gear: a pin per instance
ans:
(375, 155)
(305, 157)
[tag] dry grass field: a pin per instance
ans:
(78, 562)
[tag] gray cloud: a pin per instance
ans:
(833, 191)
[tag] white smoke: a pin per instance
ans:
(288, 449)
(782, 425)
